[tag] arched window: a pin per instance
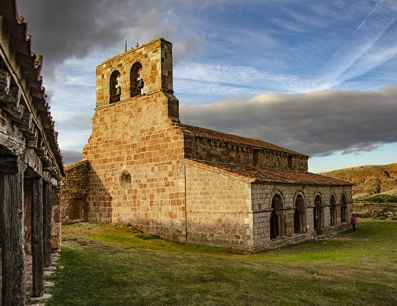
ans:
(137, 82)
(276, 218)
(343, 209)
(299, 215)
(318, 215)
(115, 87)
(332, 210)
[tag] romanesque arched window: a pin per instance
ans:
(343, 209)
(276, 218)
(115, 87)
(299, 215)
(137, 83)
(332, 210)
(318, 215)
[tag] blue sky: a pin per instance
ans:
(233, 57)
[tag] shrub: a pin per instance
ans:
(379, 198)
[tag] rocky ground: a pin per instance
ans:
(48, 275)
(28, 275)
(369, 180)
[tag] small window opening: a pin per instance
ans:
(125, 179)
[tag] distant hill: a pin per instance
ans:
(369, 180)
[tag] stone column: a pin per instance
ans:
(337, 214)
(309, 219)
(47, 215)
(12, 236)
(327, 216)
(289, 222)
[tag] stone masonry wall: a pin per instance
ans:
(136, 175)
(73, 196)
(262, 195)
(201, 148)
(218, 207)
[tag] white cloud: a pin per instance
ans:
(318, 123)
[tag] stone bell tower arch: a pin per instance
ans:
(142, 71)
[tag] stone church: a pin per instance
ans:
(143, 167)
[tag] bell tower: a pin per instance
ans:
(137, 73)
(135, 151)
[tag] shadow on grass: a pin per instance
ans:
(118, 268)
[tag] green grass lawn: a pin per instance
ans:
(108, 265)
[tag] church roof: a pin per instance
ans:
(272, 175)
(212, 134)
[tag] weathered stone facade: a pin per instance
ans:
(192, 184)
(262, 195)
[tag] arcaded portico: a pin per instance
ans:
(30, 166)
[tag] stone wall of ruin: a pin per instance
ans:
(201, 148)
(376, 210)
(73, 194)
(218, 207)
(262, 195)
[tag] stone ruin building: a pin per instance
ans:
(30, 165)
(143, 167)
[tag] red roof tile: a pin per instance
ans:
(275, 176)
(212, 134)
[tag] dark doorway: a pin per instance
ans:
(299, 215)
(78, 210)
(276, 218)
(318, 215)
(332, 211)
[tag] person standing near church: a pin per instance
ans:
(354, 222)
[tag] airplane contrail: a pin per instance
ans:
(380, 2)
